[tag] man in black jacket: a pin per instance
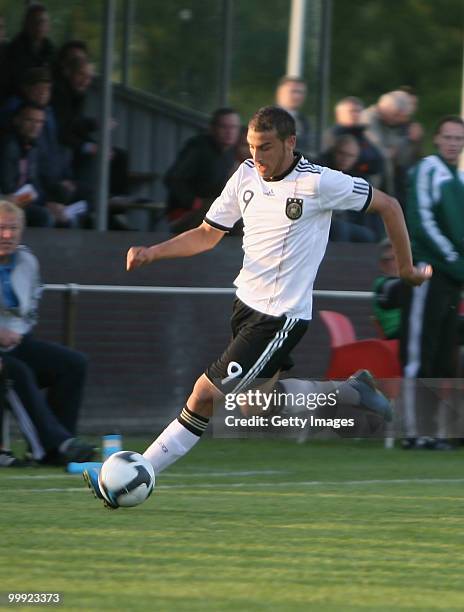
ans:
(31, 47)
(201, 170)
(19, 164)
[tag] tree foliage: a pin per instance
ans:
(376, 46)
(380, 45)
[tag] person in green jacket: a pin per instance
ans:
(435, 219)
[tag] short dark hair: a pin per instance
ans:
(27, 106)
(36, 75)
(344, 139)
(448, 119)
(270, 118)
(350, 100)
(71, 44)
(31, 9)
(221, 112)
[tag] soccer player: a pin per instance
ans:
(286, 204)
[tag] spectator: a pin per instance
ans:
(347, 226)
(343, 155)
(291, 95)
(436, 226)
(70, 50)
(389, 293)
(35, 89)
(368, 165)
(31, 47)
(55, 161)
(68, 100)
(415, 129)
(388, 128)
(201, 170)
(48, 441)
(34, 363)
(76, 130)
(19, 166)
(7, 459)
(348, 121)
(242, 148)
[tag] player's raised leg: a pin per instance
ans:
(358, 390)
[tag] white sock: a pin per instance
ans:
(174, 442)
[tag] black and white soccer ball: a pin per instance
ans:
(126, 479)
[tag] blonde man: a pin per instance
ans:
(31, 363)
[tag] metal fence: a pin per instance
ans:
(71, 293)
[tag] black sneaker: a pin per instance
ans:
(437, 444)
(79, 452)
(371, 398)
(8, 460)
(76, 451)
(427, 443)
(408, 443)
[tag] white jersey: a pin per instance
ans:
(286, 229)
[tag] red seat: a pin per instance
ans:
(380, 357)
(340, 328)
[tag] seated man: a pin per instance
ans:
(48, 441)
(369, 164)
(19, 165)
(201, 170)
(76, 130)
(389, 293)
(55, 170)
(34, 363)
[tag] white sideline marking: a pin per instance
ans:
(307, 483)
(174, 475)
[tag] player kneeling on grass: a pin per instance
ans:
(286, 205)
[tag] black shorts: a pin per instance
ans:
(259, 348)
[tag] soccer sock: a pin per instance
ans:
(344, 393)
(298, 390)
(176, 440)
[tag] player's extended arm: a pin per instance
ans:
(195, 241)
(392, 216)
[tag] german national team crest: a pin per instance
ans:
(294, 208)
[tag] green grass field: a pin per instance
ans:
(247, 525)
